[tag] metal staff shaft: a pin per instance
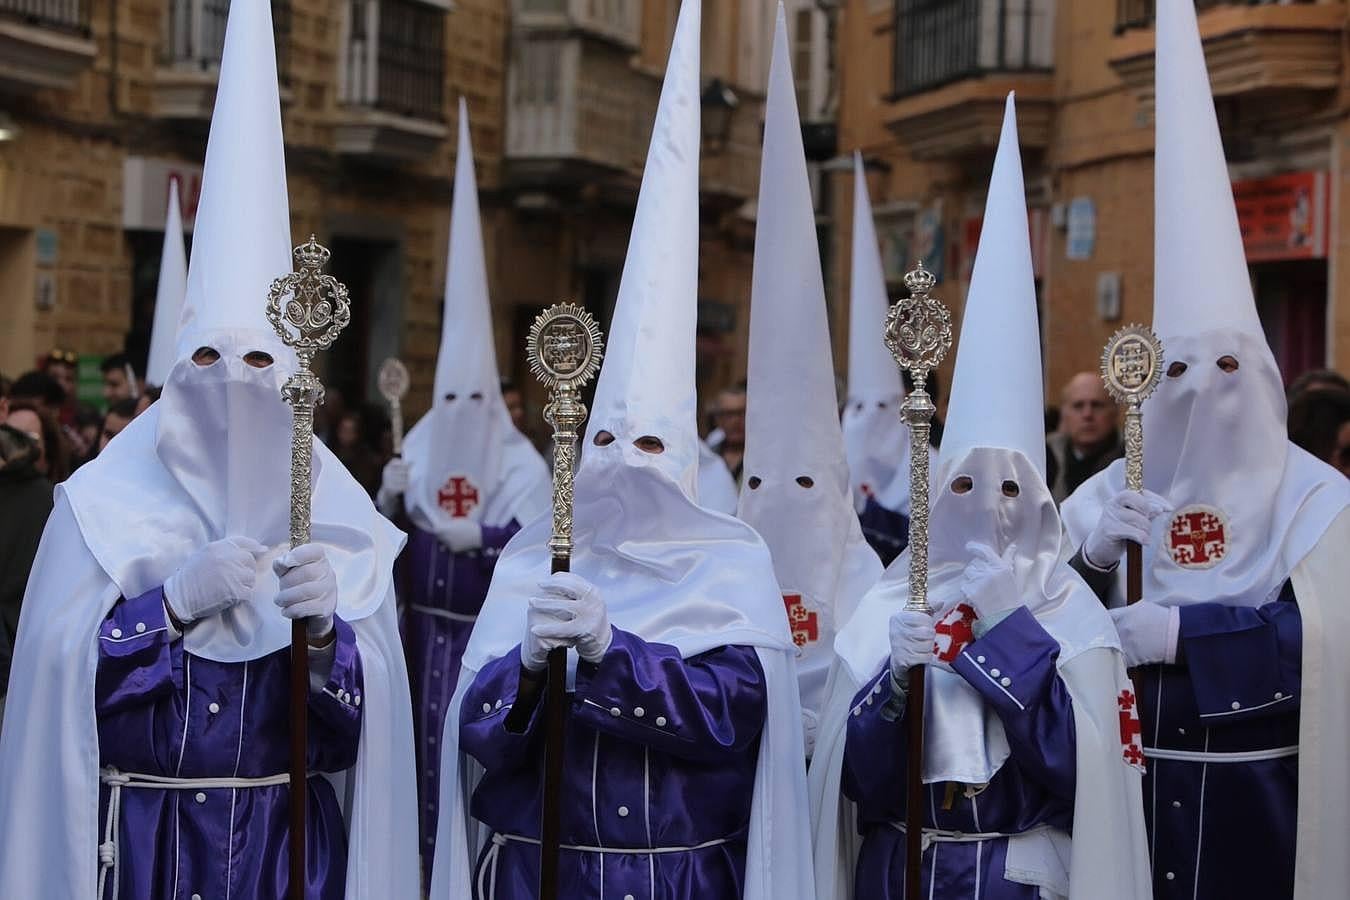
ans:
(564, 350)
(1134, 481)
(316, 306)
(918, 334)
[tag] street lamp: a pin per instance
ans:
(717, 105)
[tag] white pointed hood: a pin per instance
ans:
(168, 294)
(669, 570)
(876, 441)
(796, 491)
(994, 439)
(1249, 505)
(466, 457)
(210, 460)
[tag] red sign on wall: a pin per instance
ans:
(1284, 217)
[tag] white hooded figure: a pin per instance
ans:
(146, 752)
(683, 750)
(1241, 679)
(468, 480)
(1023, 742)
(875, 439)
(169, 293)
(796, 492)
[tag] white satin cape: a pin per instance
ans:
(694, 579)
(49, 822)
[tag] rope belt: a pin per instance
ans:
(488, 871)
(943, 836)
(118, 781)
(1244, 756)
(443, 613)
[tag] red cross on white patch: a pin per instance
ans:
(458, 497)
(805, 624)
(955, 632)
(1197, 537)
(1131, 742)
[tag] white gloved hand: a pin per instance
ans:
(988, 581)
(580, 616)
(534, 649)
(309, 588)
(1148, 632)
(393, 485)
(1128, 516)
(912, 637)
(810, 727)
(461, 535)
(213, 579)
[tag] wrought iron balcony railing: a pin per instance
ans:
(62, 15)
(941, 41)
(196, 36)
(395, 58)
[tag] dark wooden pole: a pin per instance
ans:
(914, 789)
(555, 731)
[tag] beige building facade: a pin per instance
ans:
(922, 86)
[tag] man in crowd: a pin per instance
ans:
(120, 381)
(146, 753)
(118, 417)
(729, 417)
(1087, 440)
(682, 747)
(1237, 642)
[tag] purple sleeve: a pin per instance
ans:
(483, 719)
(495, 537)
(335, 711)
(702, 708)
(1245, 662)
(135, 655)
(1013, 667)
(875, 746)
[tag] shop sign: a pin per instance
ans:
(1284, 217)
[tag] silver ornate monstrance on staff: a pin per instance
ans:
(308, 309)
(394, 384)
(1131, 369)
(564, 348)
(918, 334)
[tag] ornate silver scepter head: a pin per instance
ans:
(394, 384)
(564, 349)
(308, 309)
(918, 334)
(1131, 369)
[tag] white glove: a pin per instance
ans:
(580, 618)
(810, 726)
(461, 535)
(1148, 632)
(393, 485)
(1128, 516)
(912, 637)
(534, 649)
(989, 583)
(308, 588)
(213, 579)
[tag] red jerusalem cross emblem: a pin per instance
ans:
(1132, 747)
(1198, 537)
(954, 632)
(458, 497)
(805, 624)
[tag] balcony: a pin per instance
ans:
(616, 21)
(392, 99)
(1257, 49)
(185, 82)
(44, 43)
(956, 61)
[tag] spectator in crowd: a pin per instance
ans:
(729, 414)
(41, 389)
(1319, 422)
(1088, 439)
(53, 460)
(515, 404)
(1317, 379)
(119, 416)
(351, 448)
(120, 380)
(64, 366)
(25, 503)
(148, 396)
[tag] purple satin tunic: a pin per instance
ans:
(661, 753)
(164, 712)
(886, 531)
(1218, 828)
(441, 593)
(1013, 669)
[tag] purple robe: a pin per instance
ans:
(886, 531)
(1221, 827)
(1013, 668)
(441, 593)
(164, 712)
(660, 753)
